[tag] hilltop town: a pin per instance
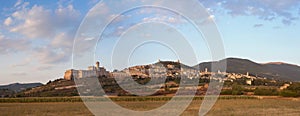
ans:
(171, 73)
(161, 69)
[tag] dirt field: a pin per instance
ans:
(238, 107)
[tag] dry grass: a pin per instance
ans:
(269, 107)
(238, 107)
(42, 109)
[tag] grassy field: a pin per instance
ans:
(227, 107)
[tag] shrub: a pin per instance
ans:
(226, 92)
(289, 93)
(266, 92)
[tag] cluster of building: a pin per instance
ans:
(175, 69)
(234, 76)
(157, 70)
(92, 71)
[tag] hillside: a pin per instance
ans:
(270, 70)
(58, 87)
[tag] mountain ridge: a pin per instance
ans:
(17, 87)
(283, 71)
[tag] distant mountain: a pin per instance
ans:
(17, 87)
(275, 70)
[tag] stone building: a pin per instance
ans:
(249, 81)
(92, 71)
(285, 86)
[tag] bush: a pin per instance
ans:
(226, 92)
(289, 93)
(266, 92)
(237, 89)
(235, 92)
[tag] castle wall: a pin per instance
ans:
(92, 71)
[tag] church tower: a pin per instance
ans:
(97, 65)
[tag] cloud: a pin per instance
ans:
(7, 21)
(19, 74)
(19, 2)
(212, 17)
(122, 22)
(9, 45)
(18, 65)
(66, 17)
(63, 40)
(33, 23)
(55, 28)
(258, 25)
(48, 55)
(263, 9)
(38, 22)
(58, 51)
(44, 67)
(164, 18)
(286, 22)
(289, 21)
(101, 9)
(21, 64)
(89, 38)
(146, 35)
(276, 27)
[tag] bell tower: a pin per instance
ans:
(97, 65)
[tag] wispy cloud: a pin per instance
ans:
(19, 74)
(44, 67)
(22, 63)
(258, 25)
(7, 21)
(12, 45)
(263, 9)
(19, 2)
(48, 55)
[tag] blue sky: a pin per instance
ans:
(36, 36)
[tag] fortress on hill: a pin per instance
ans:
(92, 71)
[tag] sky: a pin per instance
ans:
(36, 36)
